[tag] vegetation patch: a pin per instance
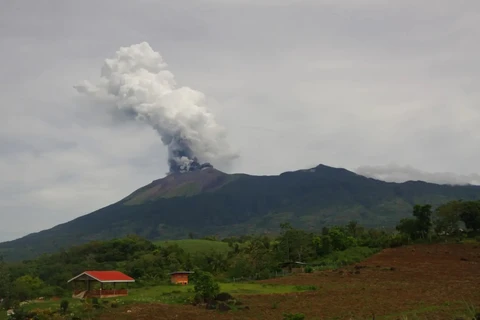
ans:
(197, 246)
(426, 254)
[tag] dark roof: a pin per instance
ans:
(181, 272)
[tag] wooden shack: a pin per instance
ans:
(293, 266)
(100, 284)
(180, 277)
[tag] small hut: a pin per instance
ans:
(293, 266)
(100, 284)
(180, 277)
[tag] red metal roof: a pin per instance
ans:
(109, 276)
(106, 276)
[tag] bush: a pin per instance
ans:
(349, 256)
(399, 240)
(223, 296)
(52, 291)
(64, 306)
(293, 316)
(306, 288)
(96, 303)
(308, 269)
(205, 286)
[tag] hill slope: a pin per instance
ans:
(210, 201)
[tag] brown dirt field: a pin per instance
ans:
(426, 282)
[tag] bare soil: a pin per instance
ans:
(422, 281)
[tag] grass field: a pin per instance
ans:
(197, 245)
(170, 294)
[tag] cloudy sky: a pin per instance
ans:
(386, 88)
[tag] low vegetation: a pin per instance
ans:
(224, 269)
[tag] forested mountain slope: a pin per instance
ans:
(212, 202)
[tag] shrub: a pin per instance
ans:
(293, 316)
(205, 286)
(64, 306)
(306, 288)
(308, 269)
(223, 296)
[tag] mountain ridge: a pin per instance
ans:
(209, 201)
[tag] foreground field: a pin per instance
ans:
(169, 294)
(419, 282)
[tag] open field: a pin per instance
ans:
(197, 245)
(171, 294)
(418, 282)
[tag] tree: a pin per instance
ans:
(352, 228)
(27, 287)
(423, 213)
(470, 215)
(419, 227)
(204, 285)
(5, 284)
(340, 240)
(409, 227)
(447, 218)
(294, 244)
(323, 244)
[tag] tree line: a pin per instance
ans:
(454, 218)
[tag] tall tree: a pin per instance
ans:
(470, 215)
(352, 228)
(423, 213)
(294, 244)
(447, 218)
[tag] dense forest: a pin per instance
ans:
(212, 202)
(249, 256)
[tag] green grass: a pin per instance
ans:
(172, 294)
(178, 294)
(197, 245)
(339, 259)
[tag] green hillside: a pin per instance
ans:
(210, 202)
(193, 246)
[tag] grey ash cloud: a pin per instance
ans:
(136, 82)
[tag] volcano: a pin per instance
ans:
(206, 201)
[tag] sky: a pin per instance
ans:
(388, 89)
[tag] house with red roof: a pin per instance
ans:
(100, 284)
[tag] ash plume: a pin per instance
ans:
(136, 82)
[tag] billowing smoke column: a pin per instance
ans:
(136, 83)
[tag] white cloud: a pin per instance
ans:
(344, 83)
(396, 173)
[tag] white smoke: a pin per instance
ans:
(396, 173)
(136, 82)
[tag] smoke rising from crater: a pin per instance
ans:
(135, 81)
